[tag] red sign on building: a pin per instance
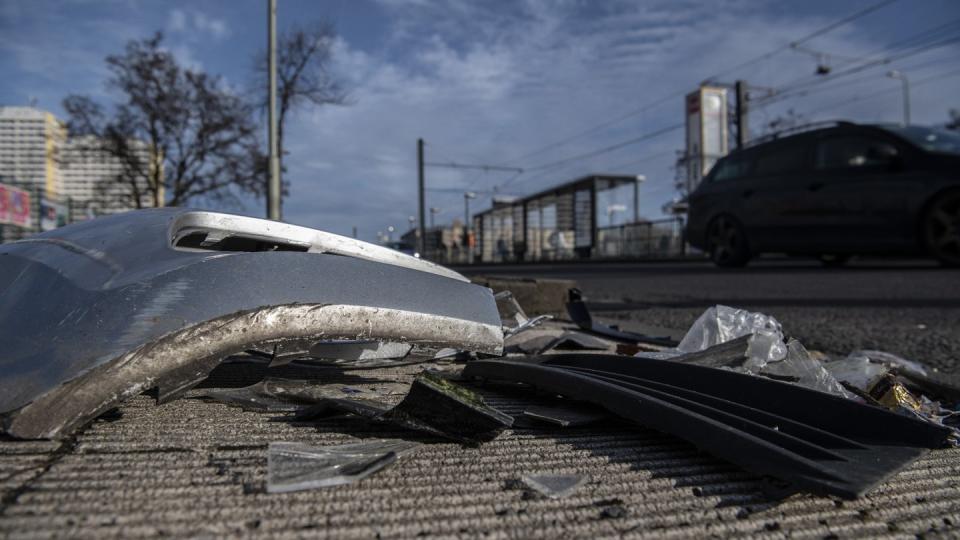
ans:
(14, 206)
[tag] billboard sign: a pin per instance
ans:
(14, 206)
(706, 114)
(52, 214)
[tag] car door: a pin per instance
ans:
(774, 195)
(859, 192)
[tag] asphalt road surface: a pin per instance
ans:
(907, 307)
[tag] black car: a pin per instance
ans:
(833, 192)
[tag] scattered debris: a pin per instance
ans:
(121, 293)
(434, 405)
(513, 318)
(296, 466)
(720, 324)
(554, 486)
(565, 341)
(280, 395)
(580, 315)
(351, 352)
(814, 440)
(565, 416)
(804, 370)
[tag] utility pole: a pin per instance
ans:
(421, 239)
(743, 128)
(421, 230)
(906, 94)
(273, 184)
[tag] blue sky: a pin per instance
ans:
(495, 82)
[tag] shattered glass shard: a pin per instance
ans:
(555, 486)
(566, 416)
(296, 466)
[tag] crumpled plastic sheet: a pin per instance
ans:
(857, 371)
(719, 324)
(296, 466)
(555, 486)
(805, 370)
(890, 360)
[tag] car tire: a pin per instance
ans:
(727, 242)
(833, 260)
(941, 228)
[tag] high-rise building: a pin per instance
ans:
(94, 181)
(31, 142)
(37, 155)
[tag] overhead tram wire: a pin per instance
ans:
(844, 83)
(921, 42)
(635, 112)
(857, 69)
(546, 167)
(816, 33)
(921, 82)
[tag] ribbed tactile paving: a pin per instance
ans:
(192, 468)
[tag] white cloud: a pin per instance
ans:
(486, 85)
(193, 22)
(177, 21)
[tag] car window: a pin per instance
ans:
(930, 139)
(782, 160)
(730, 168)
(854, 152)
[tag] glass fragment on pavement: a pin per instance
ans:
(512, 316)
(565, 416)
(279, 395)
(296, 466)
(555, 486)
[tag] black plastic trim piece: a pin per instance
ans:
(813, 440)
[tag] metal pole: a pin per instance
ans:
(273, 184)
(906, 100)
(894, 74)
(742, 126)
(421, 230)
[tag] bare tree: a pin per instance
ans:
(303, 76)
(201, 140)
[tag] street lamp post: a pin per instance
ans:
(466, 220)
(636, 197)
(433, 211)
(906, 94)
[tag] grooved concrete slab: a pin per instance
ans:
(193, 468)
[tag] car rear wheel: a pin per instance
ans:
(727, 242)
(941, 228)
